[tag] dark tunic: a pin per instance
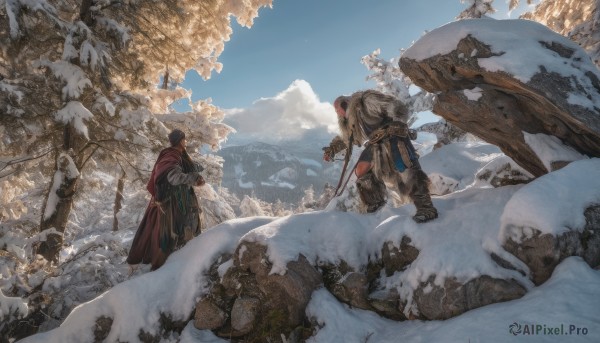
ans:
(172, 216)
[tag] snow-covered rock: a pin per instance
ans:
(528, 79)
(554, 218)
(260, 305)
(382, 262)
(461, 165)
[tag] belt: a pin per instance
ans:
(394, 129)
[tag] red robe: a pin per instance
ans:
(145, 247)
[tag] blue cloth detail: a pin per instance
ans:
(398, 157)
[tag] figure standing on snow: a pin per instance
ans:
(173, 215)
(378, 121)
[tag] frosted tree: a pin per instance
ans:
(578, 20)
(348, 201)
(78, 86)
(325, 197)
(279, 209)
(308, 201)
(250, 207)
(512, 4)
(216, 205)
(79, 93)
(479, 8)
(391, 80)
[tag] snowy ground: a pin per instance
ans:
(568, 302)
(457, 244)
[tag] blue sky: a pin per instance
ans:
(319, 42)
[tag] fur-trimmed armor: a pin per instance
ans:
(378, 121)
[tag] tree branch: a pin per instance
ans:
(120, 154)
(6, 164)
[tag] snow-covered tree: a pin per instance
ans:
(391, 80)
(308, 202)
(78, 86)
(79, 94)
(279, 209)
(479, 8)
(250, 207)
(578, 20)
(512, 4)
(216, 205)
(348, 201)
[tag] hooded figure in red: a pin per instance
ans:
(173, 215)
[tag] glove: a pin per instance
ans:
(328, 153)
(336, 145)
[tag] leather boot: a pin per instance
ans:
(425, 209)
(372, 192)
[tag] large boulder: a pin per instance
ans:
(433, 301)
(453, 298)
(445, 132)
(512, 89)
(348, 286)
(254, 297)
(365, 289)
(542, 252)
(248, 301)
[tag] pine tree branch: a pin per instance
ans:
(6, 164)
(125, 158)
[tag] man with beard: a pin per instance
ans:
(173, 215)
(378, 121)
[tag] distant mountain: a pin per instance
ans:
(272, 172)
(285, 170)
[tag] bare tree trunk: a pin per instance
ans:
(118, 199)
(65, 191)
(60, 197)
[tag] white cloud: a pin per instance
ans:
(290, 115)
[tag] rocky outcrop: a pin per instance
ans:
(209, 316)
(498, 107)
(453, 298)
(249, 302)
(396, 259)
(347, 285)
(543, 252)
(445, 132)
(102, 328)
(167, 326)
(504, 174)
(435, 302)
